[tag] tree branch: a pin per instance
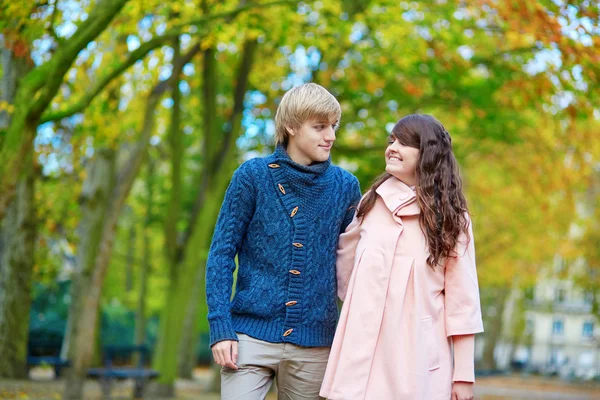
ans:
(494, 57)
(147, 47)
(215, 162)
(99, 18)
(129, 171)
(51, 30)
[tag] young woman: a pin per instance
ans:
(406, 272)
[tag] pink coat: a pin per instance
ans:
(393, 338)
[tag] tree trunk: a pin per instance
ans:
(164, 386)
(140, 313)
(86, 294)
(187, 348)
(81, 335)
(86, 288)
(493, 331)
(180, 288)
(189, 341)
(130, 259)
(17, 237)
(179, 295)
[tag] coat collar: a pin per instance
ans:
(398, 197)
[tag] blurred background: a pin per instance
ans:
(121, 122)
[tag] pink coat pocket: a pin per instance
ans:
(431, 345)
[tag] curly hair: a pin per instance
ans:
(444, 212)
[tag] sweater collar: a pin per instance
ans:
(282, 157)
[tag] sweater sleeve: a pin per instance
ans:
(235, 215)
(464, 358)
(354, 199)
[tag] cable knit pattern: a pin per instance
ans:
(282, 219)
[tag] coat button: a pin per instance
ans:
(281, 188)
(294, 211)
(294, 272)
(273, 165)
(288, 332)
(298, 245)
(291, 303)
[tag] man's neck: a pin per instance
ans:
(297, 156)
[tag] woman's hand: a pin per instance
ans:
(462, 391)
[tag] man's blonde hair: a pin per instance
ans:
(298, 105)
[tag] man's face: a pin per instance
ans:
(312, 141)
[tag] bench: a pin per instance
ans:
(45, 351)
(55, 361)
(110, 372)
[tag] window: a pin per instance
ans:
(558, 327)
(588, 298)
(588, 329)
(557, 357)
(529, 325)
(560, 295)
(586, 359)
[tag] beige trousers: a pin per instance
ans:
(299, 371)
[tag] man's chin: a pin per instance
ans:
(318, 158)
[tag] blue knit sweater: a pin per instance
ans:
(282, 220)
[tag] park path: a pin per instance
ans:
(489, 388)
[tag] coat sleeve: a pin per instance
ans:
(354, 200)
(346, 251)
(464, 358)
(462, 304)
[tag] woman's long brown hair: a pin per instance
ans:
(444, 212)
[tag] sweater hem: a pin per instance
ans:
(273, 332)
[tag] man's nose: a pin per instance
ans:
(330, 134)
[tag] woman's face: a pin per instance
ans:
(401, 161)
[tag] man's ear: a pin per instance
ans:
(290, 130)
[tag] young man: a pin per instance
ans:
(281, 216)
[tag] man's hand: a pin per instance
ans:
(462, 391)
(225, 353)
